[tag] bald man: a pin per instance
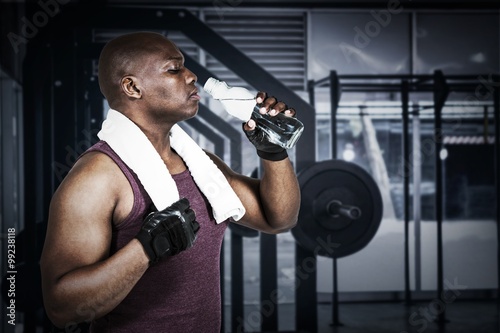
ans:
(105, 261)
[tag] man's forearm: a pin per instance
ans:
(91, 292)
(280, 194)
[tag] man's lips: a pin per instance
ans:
(195, 95)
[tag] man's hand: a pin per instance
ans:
(269, 106)
(170, 231)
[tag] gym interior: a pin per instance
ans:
(398, 163)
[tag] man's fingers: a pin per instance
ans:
(196, 226)
(268, 104)
(189, 215)
(180, 205)
(277, 108)
(261, 96)
(271, 106)
(290, 112)
(249, 125)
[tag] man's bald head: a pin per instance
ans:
(122, 56)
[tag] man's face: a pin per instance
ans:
(167, 86)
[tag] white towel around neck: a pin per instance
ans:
(135, 149)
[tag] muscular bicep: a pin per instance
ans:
(248, 190)
(79, 223)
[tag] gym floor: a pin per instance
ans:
(471, 313)
(392, 317)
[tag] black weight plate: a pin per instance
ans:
(320, 207)
(320, 232)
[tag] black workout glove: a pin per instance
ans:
(265, 149)
(168, 232)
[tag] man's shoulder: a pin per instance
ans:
(93, 167)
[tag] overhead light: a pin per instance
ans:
(348, 154)
(443, 154)
(478, 58)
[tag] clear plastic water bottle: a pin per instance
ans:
(281, 130)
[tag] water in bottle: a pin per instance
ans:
(239, 102)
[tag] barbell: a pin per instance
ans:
(340, 210)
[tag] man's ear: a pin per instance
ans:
(130, 87)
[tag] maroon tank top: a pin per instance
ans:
(180, 293)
